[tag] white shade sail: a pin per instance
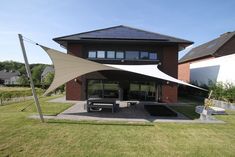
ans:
(68, 67)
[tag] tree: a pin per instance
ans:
(36, 73)
(23, 80)
(22, 70)
(47, 80)
(10, 65)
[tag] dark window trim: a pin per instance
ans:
(124, 55)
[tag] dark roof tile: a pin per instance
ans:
(207, 49)
(121, 33)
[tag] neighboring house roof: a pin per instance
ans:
(48, 69)
(120, 33)
(4, 74)
(208, 49)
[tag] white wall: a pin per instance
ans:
(12, 80)
(217, 69)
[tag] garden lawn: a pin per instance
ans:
(22, 136)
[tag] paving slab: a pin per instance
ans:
(135, 113)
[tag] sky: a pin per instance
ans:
(43, 20)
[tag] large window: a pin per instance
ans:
(142, 91)
(102, 89)
(132, 55)
(95, 88)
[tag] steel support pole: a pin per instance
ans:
(30, 78)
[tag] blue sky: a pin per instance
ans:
(42, 20)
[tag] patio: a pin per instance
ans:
(132, 113)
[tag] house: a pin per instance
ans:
(9, 77)
(46, 71)
(211, 61)
(124, 45)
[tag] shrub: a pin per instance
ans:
(9, 93)
(223, 91)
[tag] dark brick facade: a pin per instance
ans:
(167, 54)
(170, 67)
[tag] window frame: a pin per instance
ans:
(154, 54)
(141, 52)
(138, 56)
(114, 54)
(123, 52)
(95, 52)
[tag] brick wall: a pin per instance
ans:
(184, 72)
(74, 87)
(170, 67)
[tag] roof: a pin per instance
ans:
(4, 74)
(120, 33)
(207, 49)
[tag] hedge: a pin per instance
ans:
(6, 95)
(223, 91)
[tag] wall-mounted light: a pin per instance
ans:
(76, 80)
(167, 82)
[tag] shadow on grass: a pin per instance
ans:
(188, 111)
(99, 123)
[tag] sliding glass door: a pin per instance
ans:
(142, 91)
(102, 89)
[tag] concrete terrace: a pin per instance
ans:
(135, 113)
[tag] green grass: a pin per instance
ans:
(21, 136)
(14, 88)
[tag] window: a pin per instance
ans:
(119, 55)
(132, 55)
(110, 54)
(100, 54)
(95, 89)
(111, 89)
(91, 54)
(128, 55)
(144, 55)
(142, 91)
(102, 89)
(152, 56)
